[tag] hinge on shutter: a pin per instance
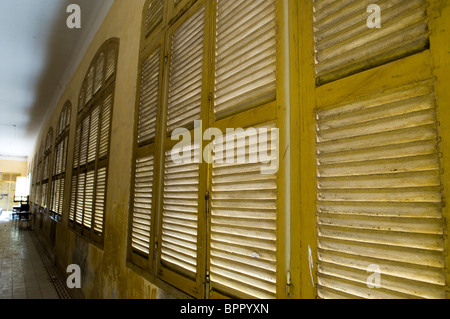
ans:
(210, 96)
(166, 58)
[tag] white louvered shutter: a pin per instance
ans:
(345, 45)
(379, 195)
(142, 205)
(186, 73)
(245, 55)
(148, 104)
(180, 211)
(244, 215)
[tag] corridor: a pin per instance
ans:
(23, 273)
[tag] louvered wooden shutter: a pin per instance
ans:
(84, 140)
(142, 205)
(90, 84)
(379, 195)
(106, 118)
(99, 67)
(80, 198)
(111, 61)
(93, 135)
(88, 199)
(154, 15)
(76, 152)
(345, 45)
(245, 59)
(243, 217)
(180, 211)
(82, 98)
(149, 97)
(100, 200)
(186, 73)
(73, 198)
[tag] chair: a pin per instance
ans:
(25, 218)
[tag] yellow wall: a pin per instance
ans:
(7, 166)
(13, 167)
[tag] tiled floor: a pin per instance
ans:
(22, 271)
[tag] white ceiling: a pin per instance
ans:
(38, 56)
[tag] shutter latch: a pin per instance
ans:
(207, 205)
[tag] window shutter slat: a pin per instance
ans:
(180, 212)
(98, 82)
(142, 206)
(100, 197)
(345, 45)
(149, 97)
(379, 196)
(187, 53)
(245, 56)
(243, 219)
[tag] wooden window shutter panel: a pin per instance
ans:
(106, 118)
(100, 200)
(111, 61)
(180, 212)
(142, 205)
(243, 221)
(154, 16)
(99, 67)
(379, 195)
(149, 97)
(84, 140)
(76, 153)
(245, 55)
(93, 135)
(90, 84)
(80, 198)
(186, 73)
(345, 45)
(88, 199)
(73, 196)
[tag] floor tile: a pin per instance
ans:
(22, 271)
